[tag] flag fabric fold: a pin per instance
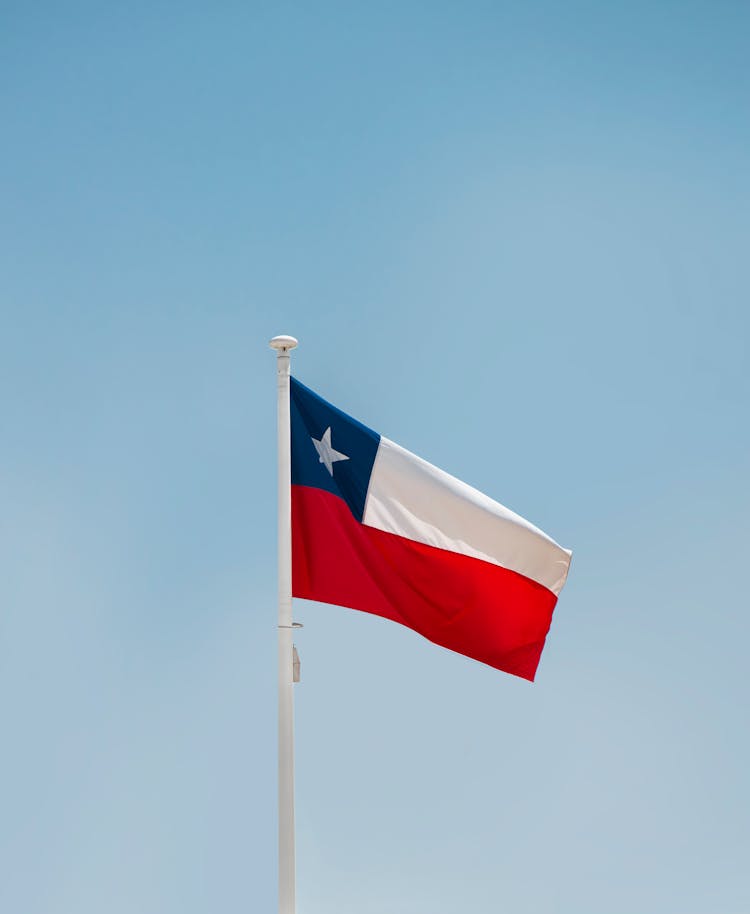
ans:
(378, 529)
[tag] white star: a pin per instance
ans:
(326, 453)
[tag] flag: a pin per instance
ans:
(378, 529)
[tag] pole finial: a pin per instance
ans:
(283, 342)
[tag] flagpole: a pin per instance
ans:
(283, 345)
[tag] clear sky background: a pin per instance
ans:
(513, 237)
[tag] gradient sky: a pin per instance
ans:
(512, 237)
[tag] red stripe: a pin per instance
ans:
(491, 614)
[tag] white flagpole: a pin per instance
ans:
(282, 345)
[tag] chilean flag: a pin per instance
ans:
(378, 529)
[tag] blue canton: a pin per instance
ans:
(311, 419)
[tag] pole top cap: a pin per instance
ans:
(283, 342)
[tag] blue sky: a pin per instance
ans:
(513, 238)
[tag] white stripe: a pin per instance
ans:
(411, 498)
